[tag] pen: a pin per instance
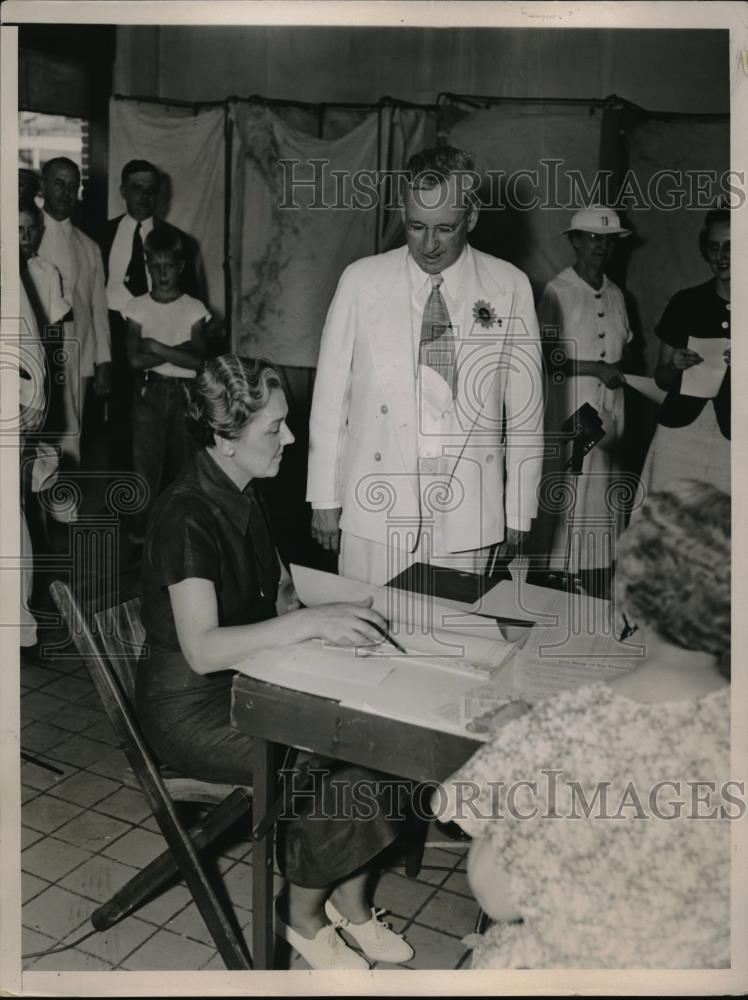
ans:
(393, 642)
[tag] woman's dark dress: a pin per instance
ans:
(204, 527)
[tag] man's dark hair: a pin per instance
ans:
(59, 161)
(139, 167)
(164, 240)
(30, 206)
(29, 180)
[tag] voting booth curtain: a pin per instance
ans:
(188, 147)
(292, 230)
(665, 256)
(526, 153)
(302, 210)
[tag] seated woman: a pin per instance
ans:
(211, 579)
(600, 863)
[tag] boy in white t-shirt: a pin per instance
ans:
(166, 347)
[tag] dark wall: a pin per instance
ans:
(67, 70)
(662, 70)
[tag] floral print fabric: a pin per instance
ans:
(620, 886)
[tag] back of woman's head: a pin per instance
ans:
(673, 567)
(227, 393)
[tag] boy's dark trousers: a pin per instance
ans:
(120, 398)
(161, 444)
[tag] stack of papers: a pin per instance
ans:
(450, 655)
(456, 666)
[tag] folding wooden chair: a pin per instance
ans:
(110, 641)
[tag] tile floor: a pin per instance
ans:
(85, 833)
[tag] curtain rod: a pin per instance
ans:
(353, 105)
(612, 100)
(168, 102)
(474, 100)
(279, 102)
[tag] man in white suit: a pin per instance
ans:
(87, 352)
(426, 425)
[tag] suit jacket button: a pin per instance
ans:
(384, 408)
(377, 456)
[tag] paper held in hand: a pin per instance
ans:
(704, 379)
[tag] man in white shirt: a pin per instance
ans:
(426, 426)
(126, 275)
(86, 356)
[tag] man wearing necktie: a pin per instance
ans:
(426, 426)
(86, 353)
(126, 277)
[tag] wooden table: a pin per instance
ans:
(277, 717)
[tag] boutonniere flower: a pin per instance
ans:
(485, 314)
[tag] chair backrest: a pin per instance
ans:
(122, 637)
(114, 694)
(122, 628)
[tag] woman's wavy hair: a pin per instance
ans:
(227, 393)
(673, 568)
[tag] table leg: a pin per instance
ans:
(264, 782)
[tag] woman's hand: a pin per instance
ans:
(609, 375)
(346, 624)
(683, 358)
(288, 599)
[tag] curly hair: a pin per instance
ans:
(673, 567)
(227, 393)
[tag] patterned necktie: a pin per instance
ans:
(437, 347)
(135, 276)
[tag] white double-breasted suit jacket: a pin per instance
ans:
(364, 441)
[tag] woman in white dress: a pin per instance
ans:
(585, 330)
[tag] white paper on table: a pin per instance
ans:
(560, 658)
(414, 692)
(647, 387)
(314, 668)
(418, 622)
(704, 379)
(543, 606)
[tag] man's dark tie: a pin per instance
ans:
(135, 276)
(437, 347)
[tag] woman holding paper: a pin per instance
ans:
(214, 591)
(601, 817)
(692, 439)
